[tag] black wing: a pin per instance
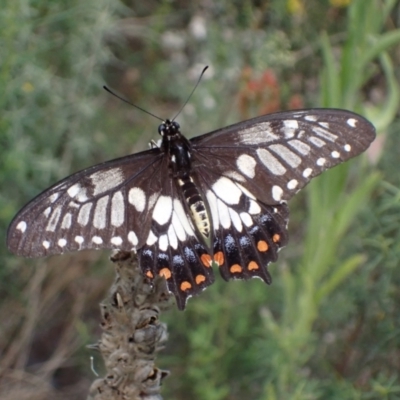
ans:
(107, 206)
(249, 170)
(131, 203)
(275, 155)
(173, 249)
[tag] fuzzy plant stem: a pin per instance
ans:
(132, 334)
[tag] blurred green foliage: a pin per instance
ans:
(328, 327)
(52, 57)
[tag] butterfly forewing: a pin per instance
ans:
(274, 156)
(105, 206)
(218, 199)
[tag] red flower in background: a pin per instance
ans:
(262, 95)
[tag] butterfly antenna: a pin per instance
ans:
(197, 84)
(134, 105)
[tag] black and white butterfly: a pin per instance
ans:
(217, 199)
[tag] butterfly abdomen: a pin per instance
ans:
(196, 206)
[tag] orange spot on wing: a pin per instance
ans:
(149, 274)
(252, 266)
(166, 273)
(276, 238)
(185, 285)
(262, 245)
(236, 268)
(206, 260)
(219, 258)
(200, 279)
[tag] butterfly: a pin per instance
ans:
(219, 199)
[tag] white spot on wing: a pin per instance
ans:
(46, 244)
(47, 212)
(321, 161)
(301, 134)
(292, 184)
(289, 128)
(352, 122)
(277, 193)
(152, 238)
(62, 242)
(300, 146)
(288, 156)
(66, 222)
(163, 210)
(347, 147)
(258, 134)
(270, 162)
(182, 217)
(291, 123)
(172, 239)
(212, 202)
(137, 198)
(106, 180)
(54, 197)
(117, 209)
(316, 141)
(247, 220)
(324, 124)
(84, 214)
(51, 226)
(74, 190)
(97, 240)
(254, 208)
(246, 165)
(81, 196)
(22, 226)
(324, 133)
(223, 214)
(163, 242)
(335, 154)
(307, 172)
(227, 191)
(79, 239)
(311, 118)
(133, 238)
(237, 223)
(116, 240)
(178, 228)
(100, 213)
(288, 133)
(78, 192)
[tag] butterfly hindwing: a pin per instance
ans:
(247, 233)
(173, 249)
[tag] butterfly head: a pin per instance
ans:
(169, 128)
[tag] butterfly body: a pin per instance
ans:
(215, 200)
(177, 149)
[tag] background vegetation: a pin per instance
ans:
(329, 326)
